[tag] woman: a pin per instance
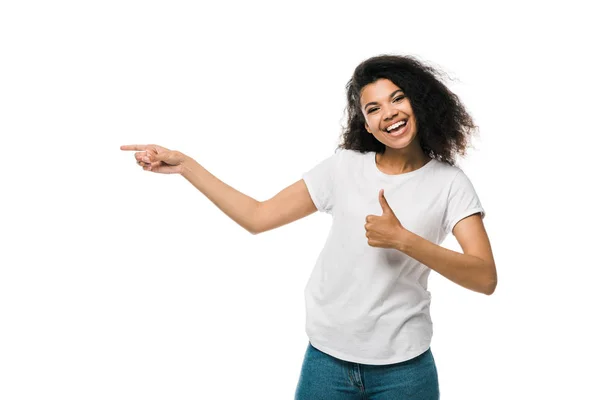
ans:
(394, 193)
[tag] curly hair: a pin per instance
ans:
(444, 125)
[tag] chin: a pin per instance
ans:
(399, 143)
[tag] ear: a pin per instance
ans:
(367, 128)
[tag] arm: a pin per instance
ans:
(291, 204)
(475, 269)
(236, 205)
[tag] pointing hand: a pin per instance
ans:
(157, 159)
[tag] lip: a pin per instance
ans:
(404, 130)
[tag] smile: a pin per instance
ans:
(398, 128)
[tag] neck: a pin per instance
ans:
(399, 161)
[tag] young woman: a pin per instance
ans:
(394, 193)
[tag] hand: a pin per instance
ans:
(385, 230)
(157, 159)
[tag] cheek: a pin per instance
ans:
(372, 122)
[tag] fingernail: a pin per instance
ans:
(146, 159)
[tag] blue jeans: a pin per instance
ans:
(328, 378)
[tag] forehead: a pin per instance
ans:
(377, 91)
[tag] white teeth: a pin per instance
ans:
(396, 125)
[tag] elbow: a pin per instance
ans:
(255, 222)
(491, 281)
(490, 288)
(253, 230)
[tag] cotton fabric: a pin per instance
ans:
(367, 304)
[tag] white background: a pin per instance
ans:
(117, 283)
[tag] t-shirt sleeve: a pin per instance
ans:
(462, 202)
(320, 180)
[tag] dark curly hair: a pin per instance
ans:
(444, 125)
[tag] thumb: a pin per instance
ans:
(384, 204)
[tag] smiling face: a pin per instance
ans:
(388, 114)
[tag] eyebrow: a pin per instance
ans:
(374, 102)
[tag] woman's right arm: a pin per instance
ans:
(291, 204)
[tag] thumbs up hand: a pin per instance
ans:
(386, 230)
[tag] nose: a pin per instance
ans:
(389, 113)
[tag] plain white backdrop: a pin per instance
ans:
(117, 283)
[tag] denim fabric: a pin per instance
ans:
(324, 377)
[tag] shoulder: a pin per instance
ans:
(345, 157)
(347, 152)
(350, 155)
(445, 171)
(333, 162)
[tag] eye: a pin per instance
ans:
(372, 109)
(398, 98)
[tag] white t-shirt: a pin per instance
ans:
(367, 304)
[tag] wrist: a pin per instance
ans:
(186, 166)
(404, 239)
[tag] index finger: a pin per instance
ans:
(138, 147)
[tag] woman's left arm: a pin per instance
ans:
(475, 269)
